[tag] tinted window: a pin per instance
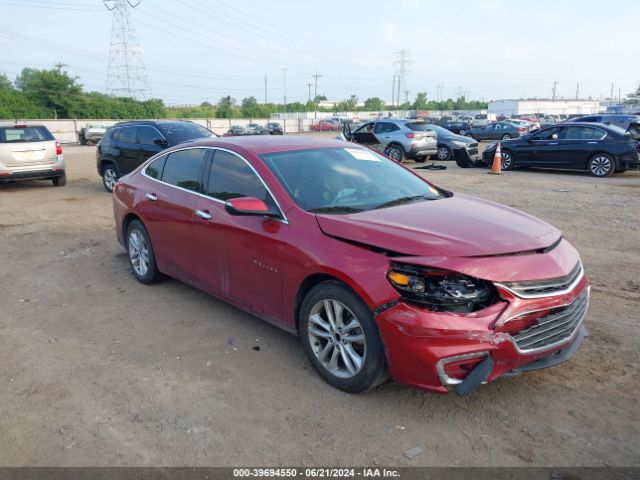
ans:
(126, 135)
(231, 177)
(581, 133)
(480, 117)
(382, 127)
(154, 169)
(546, 134)
(184, 169)
(146, 135)
(590, 119)
(24, 134)
(184, 131)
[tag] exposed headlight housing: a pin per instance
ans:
(459, 143)
(441, 290)
(491, 146)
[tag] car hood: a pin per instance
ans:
(458, 226)
(456, 138)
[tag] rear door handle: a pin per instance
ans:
(554, 143)
(151, 196)
(203, 214)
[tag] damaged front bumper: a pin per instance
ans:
(441, 351)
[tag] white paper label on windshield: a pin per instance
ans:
(362, 154)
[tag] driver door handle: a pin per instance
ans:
(203, 214)
(151, 196)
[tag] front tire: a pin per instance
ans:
(110, 176)
(60, 181)
(140, 253)
(341, 338)
(507, 161)
(395, 152)
(506, 136)
(601, 165)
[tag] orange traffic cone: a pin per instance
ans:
(496, 167)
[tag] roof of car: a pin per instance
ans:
(151, 122)
(260, 144)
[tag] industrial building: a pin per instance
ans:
(509, 108)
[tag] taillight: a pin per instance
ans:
(409, 135)
(58, 148)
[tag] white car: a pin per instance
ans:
(30, 152)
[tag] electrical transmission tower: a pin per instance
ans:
(402, 63)
(126, 74)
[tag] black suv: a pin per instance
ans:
(126, 145)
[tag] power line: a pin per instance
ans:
(126, 75)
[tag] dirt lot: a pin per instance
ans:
(98, 369)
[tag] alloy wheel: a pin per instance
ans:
(138, 252)
(443, 153)
(506, 161)
(600, 166)
(337, 338)
(395, 154)
(110, 178)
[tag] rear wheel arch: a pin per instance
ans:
(130, 217)
(105, 162)
(601, 152)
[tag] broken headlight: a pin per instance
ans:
(442, 290)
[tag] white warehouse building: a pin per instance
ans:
(556, 107)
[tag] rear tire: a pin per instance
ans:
(341, 338)
(110, 176)
(506, 136)
(60, 181)
(601, 165)
(140, 253)
(444, 153)
(507, 161)
(395, 152)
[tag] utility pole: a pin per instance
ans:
(402, 63)
(611, 96)
(555, 86)
(577, 90)
(393, 91)
(284, 85)
(265, 89)
(315, 94)
(309, 96)
(126, 73)
(59, 66)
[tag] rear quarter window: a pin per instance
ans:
(25, 134)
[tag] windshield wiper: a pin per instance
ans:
(403, 200)
(336, 209)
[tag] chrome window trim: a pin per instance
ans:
(445, 379)
(558, 293)
(557, 344)
(284, 218)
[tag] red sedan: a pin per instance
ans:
(377, 270)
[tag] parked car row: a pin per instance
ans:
(272, 128)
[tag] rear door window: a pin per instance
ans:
(184, 169)
(24, 134)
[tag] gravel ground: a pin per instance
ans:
(98, 369)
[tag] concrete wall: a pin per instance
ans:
(522, 107)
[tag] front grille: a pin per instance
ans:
(542, 288)
(553, 329)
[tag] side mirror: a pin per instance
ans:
(161, 142)
(248, 206)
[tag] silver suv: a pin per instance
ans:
(30, 152)
(397, 139)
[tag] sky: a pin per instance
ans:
(202, 50)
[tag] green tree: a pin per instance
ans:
(5, 83)
(250, 108)
(54, 89)
(374, 103)
(226, 107)
(420, 102)
(319, 98)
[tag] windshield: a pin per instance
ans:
(346, 180)
(184, 131)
